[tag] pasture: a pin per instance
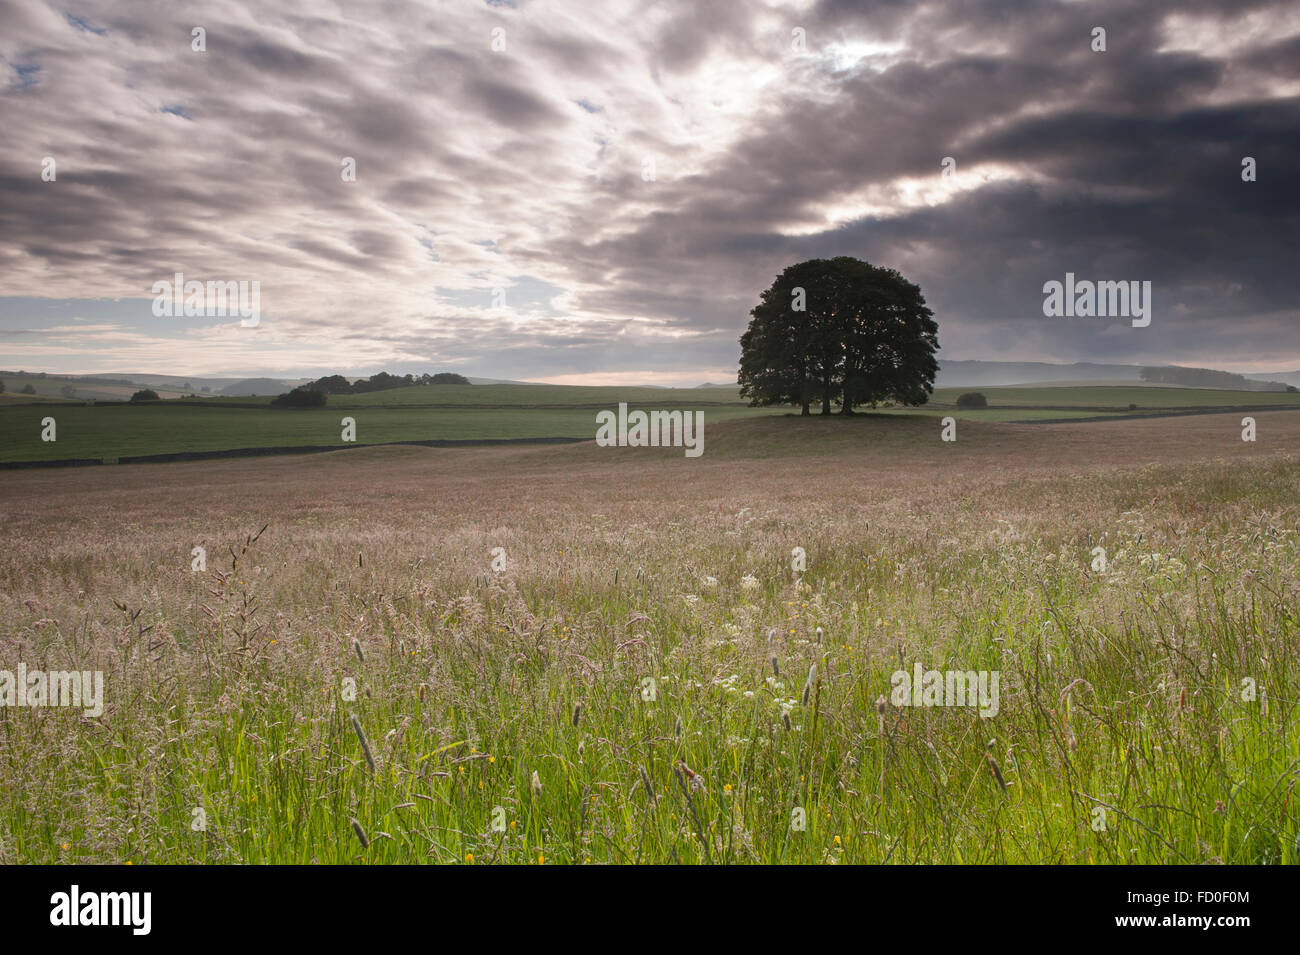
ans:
(495, 412)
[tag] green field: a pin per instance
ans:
(650, 675)
(488, 412)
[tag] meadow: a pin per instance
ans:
(572, 654)
(494, 412)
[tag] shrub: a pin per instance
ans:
(972, 399)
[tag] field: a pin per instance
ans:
(51, 389)
(494, 412)
(645, 672)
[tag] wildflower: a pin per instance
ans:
(697, 781)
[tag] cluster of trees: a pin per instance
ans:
(383, 381)
(145, 394)
(302, 397)
(839, 331)
(314, 394)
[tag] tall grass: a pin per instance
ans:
(661, 686)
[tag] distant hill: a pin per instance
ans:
(256, 386)
(967, 374)
(1286, 377)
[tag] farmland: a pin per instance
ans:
(495, 412)
(582, 654)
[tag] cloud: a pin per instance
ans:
(479, 168)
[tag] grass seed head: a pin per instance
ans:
(361, 834)
(365, 743)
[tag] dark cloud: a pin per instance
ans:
(476, 167)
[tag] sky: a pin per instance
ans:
(579, 191)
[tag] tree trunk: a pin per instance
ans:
(826, 396)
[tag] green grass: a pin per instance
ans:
(115, 431)
(476, 412)
(526, 697)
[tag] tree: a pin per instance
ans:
(27, 389)
(444, 378)
(68, 391)
(841, 330)
(972, 399)
(332, 385)
(304, 396)
(2, 387)
(381, 381)
(145, 394)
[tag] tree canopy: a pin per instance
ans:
(840, 331)
(383, 381)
